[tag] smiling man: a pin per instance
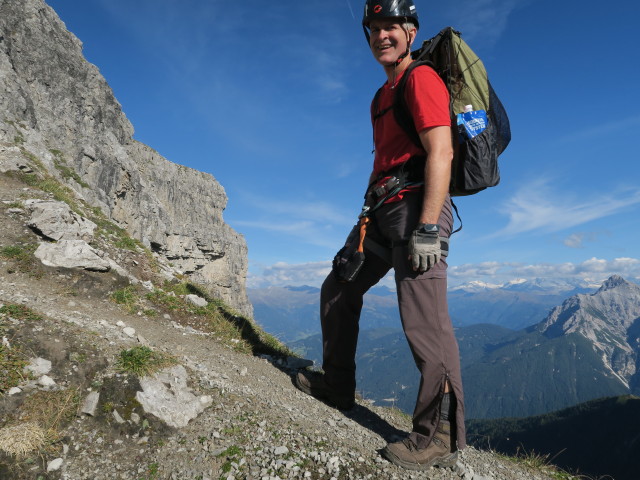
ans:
(409, 213)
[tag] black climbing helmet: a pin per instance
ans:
(389, 8)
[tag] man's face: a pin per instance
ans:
(388, 40)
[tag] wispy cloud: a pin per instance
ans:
(601, 130)
(315, 223)
(314, 211)
(484, 21)
(536, 207)
(351, 9)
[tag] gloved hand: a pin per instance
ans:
(424, 247)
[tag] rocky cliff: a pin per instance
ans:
(610, 320)
(56, 107)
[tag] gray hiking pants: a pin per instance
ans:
(422, 299)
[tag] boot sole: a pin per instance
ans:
(441, 462)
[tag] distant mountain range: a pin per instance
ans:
(291, 313)
(600, 438)
(517, 304)
(585, 348)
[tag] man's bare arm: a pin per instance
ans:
(437, 174)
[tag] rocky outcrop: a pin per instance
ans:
(57, 107)
(610, 319)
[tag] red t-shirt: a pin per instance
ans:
(428, 101)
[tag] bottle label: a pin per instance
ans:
(471, 123)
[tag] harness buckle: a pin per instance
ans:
(386, 187)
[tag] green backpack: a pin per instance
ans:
(475, 162)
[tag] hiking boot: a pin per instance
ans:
(312, 383)
(439, 453)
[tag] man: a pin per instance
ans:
(411, 225)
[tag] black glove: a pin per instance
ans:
(424, 247)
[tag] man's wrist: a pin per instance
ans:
(428, 228)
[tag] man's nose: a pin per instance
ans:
(379, 36)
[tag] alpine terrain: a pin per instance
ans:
(127, 347)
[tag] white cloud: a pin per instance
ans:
(283, 274)
(592, 271)
(578, 239)
(536, 207)
(574, 240)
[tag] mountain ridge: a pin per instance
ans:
(57, 109)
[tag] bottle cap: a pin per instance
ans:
(468, 108)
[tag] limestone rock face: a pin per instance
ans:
(56, 221)
(72, 254)
(57, 107)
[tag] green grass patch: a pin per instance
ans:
(22, 256)
(19, 312)
(541, 463)
(12, 363)
(35, 160)
(127, 297)
(20, 253)
(232, 455)
(142, 361)
(51, 185)
(127, 243)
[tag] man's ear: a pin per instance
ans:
(412, 35)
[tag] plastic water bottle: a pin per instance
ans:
(471, 122)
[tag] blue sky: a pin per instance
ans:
(273, 101)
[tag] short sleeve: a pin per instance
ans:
(427, 98)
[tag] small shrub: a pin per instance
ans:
(142, 361)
